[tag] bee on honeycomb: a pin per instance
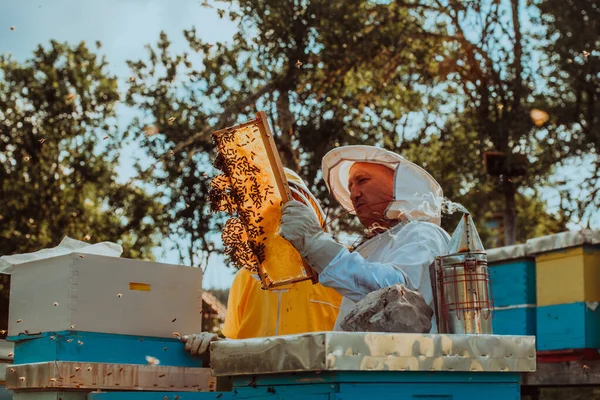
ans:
(252, 188)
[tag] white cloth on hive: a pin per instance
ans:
(66, 246)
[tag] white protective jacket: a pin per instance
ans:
(403, 253)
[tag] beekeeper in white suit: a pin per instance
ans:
(396, 200)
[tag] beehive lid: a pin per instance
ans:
(507, 253)
(563, 240)
(363, 351)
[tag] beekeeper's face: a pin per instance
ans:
(371, 191)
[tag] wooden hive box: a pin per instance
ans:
(512, 273)
(567, 267)
(93, 293)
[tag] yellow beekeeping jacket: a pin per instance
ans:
(296, 308)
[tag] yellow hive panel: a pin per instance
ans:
(253, 187)
(568, 276)
(591, 262)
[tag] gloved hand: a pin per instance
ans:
(197, 344)
(300, 226)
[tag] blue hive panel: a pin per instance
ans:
(100, 348)
(433, 391)
(513, 282)
(356, 385)
(568, 326)
(514, 321)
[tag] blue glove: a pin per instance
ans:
(300, 226)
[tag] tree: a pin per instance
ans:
(571, 69)
(402, 75)
(455, 159)
(58, 153)
(290, 62)
(487, 70)
(172, 112)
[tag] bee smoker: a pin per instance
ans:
(461, 284)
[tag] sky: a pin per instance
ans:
(123, 27)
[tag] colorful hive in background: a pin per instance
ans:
(567, 267)
(568, 290)
(568, 326)
(512, 273)
(253, 187)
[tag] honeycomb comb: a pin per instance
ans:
(253, 188)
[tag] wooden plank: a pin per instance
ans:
(274, 159)
(93, 376)
(7, 350)
(157, 396)
(50, 395)
(571, 373)
(282, 185)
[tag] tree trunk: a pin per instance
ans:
(285, 120)
(510, 212)
(515, 116)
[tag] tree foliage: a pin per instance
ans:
(287, 59)
(172, 112)
(59, 149)
(441, 82)
(570, 68)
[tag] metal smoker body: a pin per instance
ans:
(461, 283)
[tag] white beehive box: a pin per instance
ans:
(105, 294)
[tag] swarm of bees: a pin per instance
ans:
(246, 189)
(239, 190)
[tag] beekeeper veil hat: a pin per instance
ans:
(417, 195)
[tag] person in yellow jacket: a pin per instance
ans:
(296, 308)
